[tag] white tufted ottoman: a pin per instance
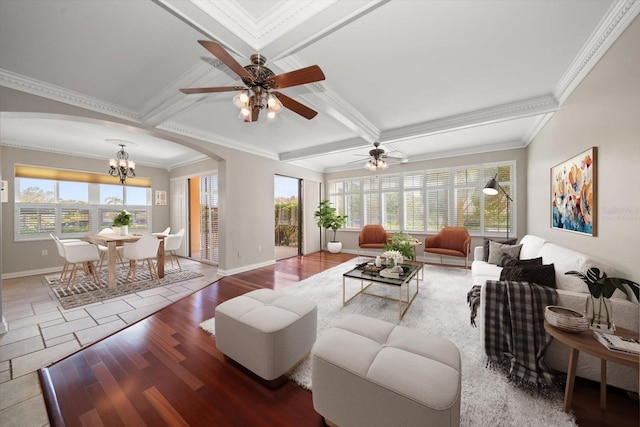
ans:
(367, 372)
(266, 331)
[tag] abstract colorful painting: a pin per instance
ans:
(573, 194)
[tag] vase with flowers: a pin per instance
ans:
(123, 221)
(598, 309)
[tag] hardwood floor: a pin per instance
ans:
(164, 370)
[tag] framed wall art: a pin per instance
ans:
(161, 198)
(573, 194)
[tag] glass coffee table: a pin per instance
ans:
(367, 273)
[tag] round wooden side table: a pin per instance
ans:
(586, 342)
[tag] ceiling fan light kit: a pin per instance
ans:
(376, 160)
(260, 82)
(373, 165)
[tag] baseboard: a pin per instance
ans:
(244, 268)
(4, 326)
(31, 272)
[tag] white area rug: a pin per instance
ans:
(488, 399)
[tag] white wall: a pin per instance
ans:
(603, 111)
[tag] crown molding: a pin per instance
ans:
(618, 18)
(526, 108)
(342, 16)
(214, 139)
(334, 105)
(502, 146)
(56, 93)
(317, 150)
(538, 124)
(511, 111)
(86, 155)
(171, 101)
(259, 32)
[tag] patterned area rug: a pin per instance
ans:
(85, 291)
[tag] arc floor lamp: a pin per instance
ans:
(491, 189)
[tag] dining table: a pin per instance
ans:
(112, 240)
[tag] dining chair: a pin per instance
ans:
(144, 249)
(81, 254)
(59, 242)
(165, 232)
(104, 250)
(171, 244)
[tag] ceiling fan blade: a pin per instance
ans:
(295, 106)
(212, 89)
(224, 56)
(298, 77)
(255, 112)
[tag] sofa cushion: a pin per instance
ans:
(498, 250)
(531, 246)
(566, 259)
(486, 246)
(544, 275)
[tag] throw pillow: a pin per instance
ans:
(486, 246)
(498, 250)
(508, 261)
(544, 275)
(510, 274)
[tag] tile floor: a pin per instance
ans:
(41, 332)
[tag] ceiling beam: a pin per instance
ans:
(515, 110)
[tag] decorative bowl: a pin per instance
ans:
(566, 319)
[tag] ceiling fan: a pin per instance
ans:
(259, 84)
(377, 158)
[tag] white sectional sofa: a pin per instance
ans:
(572, 293)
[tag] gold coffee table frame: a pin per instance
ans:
(411, 272)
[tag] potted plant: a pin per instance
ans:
(601, 287)
(327, 218)
(123, 221)
(401, 243)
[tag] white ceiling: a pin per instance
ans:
(427, 79)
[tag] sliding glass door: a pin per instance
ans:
(288, 231)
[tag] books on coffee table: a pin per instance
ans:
(618, 343)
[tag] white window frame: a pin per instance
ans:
(372, 187)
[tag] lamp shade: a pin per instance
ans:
(491, 188)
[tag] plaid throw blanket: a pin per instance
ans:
(473, 299)
(514, 329)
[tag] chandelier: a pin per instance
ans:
(121, 166)
(261, 99)
(374, 164)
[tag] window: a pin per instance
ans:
(437, 196)
(390, 197)
(414, 213)
(209, 225)
(467, 189)
(495, 207)
(72, 209)
(426, 201)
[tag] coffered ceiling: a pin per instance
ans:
(427, 79)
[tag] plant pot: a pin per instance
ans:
(124, 230)
(599, 314)
(334, 247)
